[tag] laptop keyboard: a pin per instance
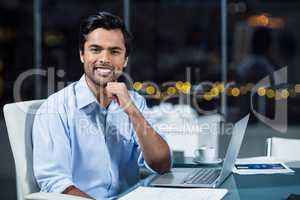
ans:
(203, 176)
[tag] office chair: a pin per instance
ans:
(19, 120)
(285, 149)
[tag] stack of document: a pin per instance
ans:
(157, 193)
(260, 165)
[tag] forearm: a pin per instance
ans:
(155, 150)
(72, 190)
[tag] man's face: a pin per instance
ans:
(103, 56)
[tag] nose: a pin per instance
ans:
(104, 57)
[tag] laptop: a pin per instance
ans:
(206, 177)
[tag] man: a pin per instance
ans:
(90, 138)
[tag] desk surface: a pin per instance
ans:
(275, 186)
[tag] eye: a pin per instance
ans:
(115, 52)
(95, 50)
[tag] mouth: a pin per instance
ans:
(103, 71)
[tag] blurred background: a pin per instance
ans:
(178, 45)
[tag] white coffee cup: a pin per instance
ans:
(205, 153)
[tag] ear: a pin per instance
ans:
(126, 61)
(81, 56)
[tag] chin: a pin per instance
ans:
(103, 82)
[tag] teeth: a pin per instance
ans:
(103, 71)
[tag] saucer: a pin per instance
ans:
(208, 162)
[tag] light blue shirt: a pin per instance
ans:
(78, 142)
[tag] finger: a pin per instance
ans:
(116, 84)
(109, 92)
(113, 84)
(112, 89)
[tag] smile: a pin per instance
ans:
(103, 71)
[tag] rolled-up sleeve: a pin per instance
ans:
(51, 151)
(147, 115)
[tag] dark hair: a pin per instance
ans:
(107, 21)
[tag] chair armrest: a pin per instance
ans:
(269, 147)
(53, 196)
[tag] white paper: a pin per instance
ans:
(260, 161)
(158, 193)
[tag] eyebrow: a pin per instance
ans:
(110, 48)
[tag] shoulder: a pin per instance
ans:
(135, 95)
(137, 98)
(59, 101)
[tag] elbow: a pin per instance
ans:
(163, 165)
(164, 169)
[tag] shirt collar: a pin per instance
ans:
(84, 95)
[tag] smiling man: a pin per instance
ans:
(90, 138)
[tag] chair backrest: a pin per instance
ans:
(19, 120)
(285, 149)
